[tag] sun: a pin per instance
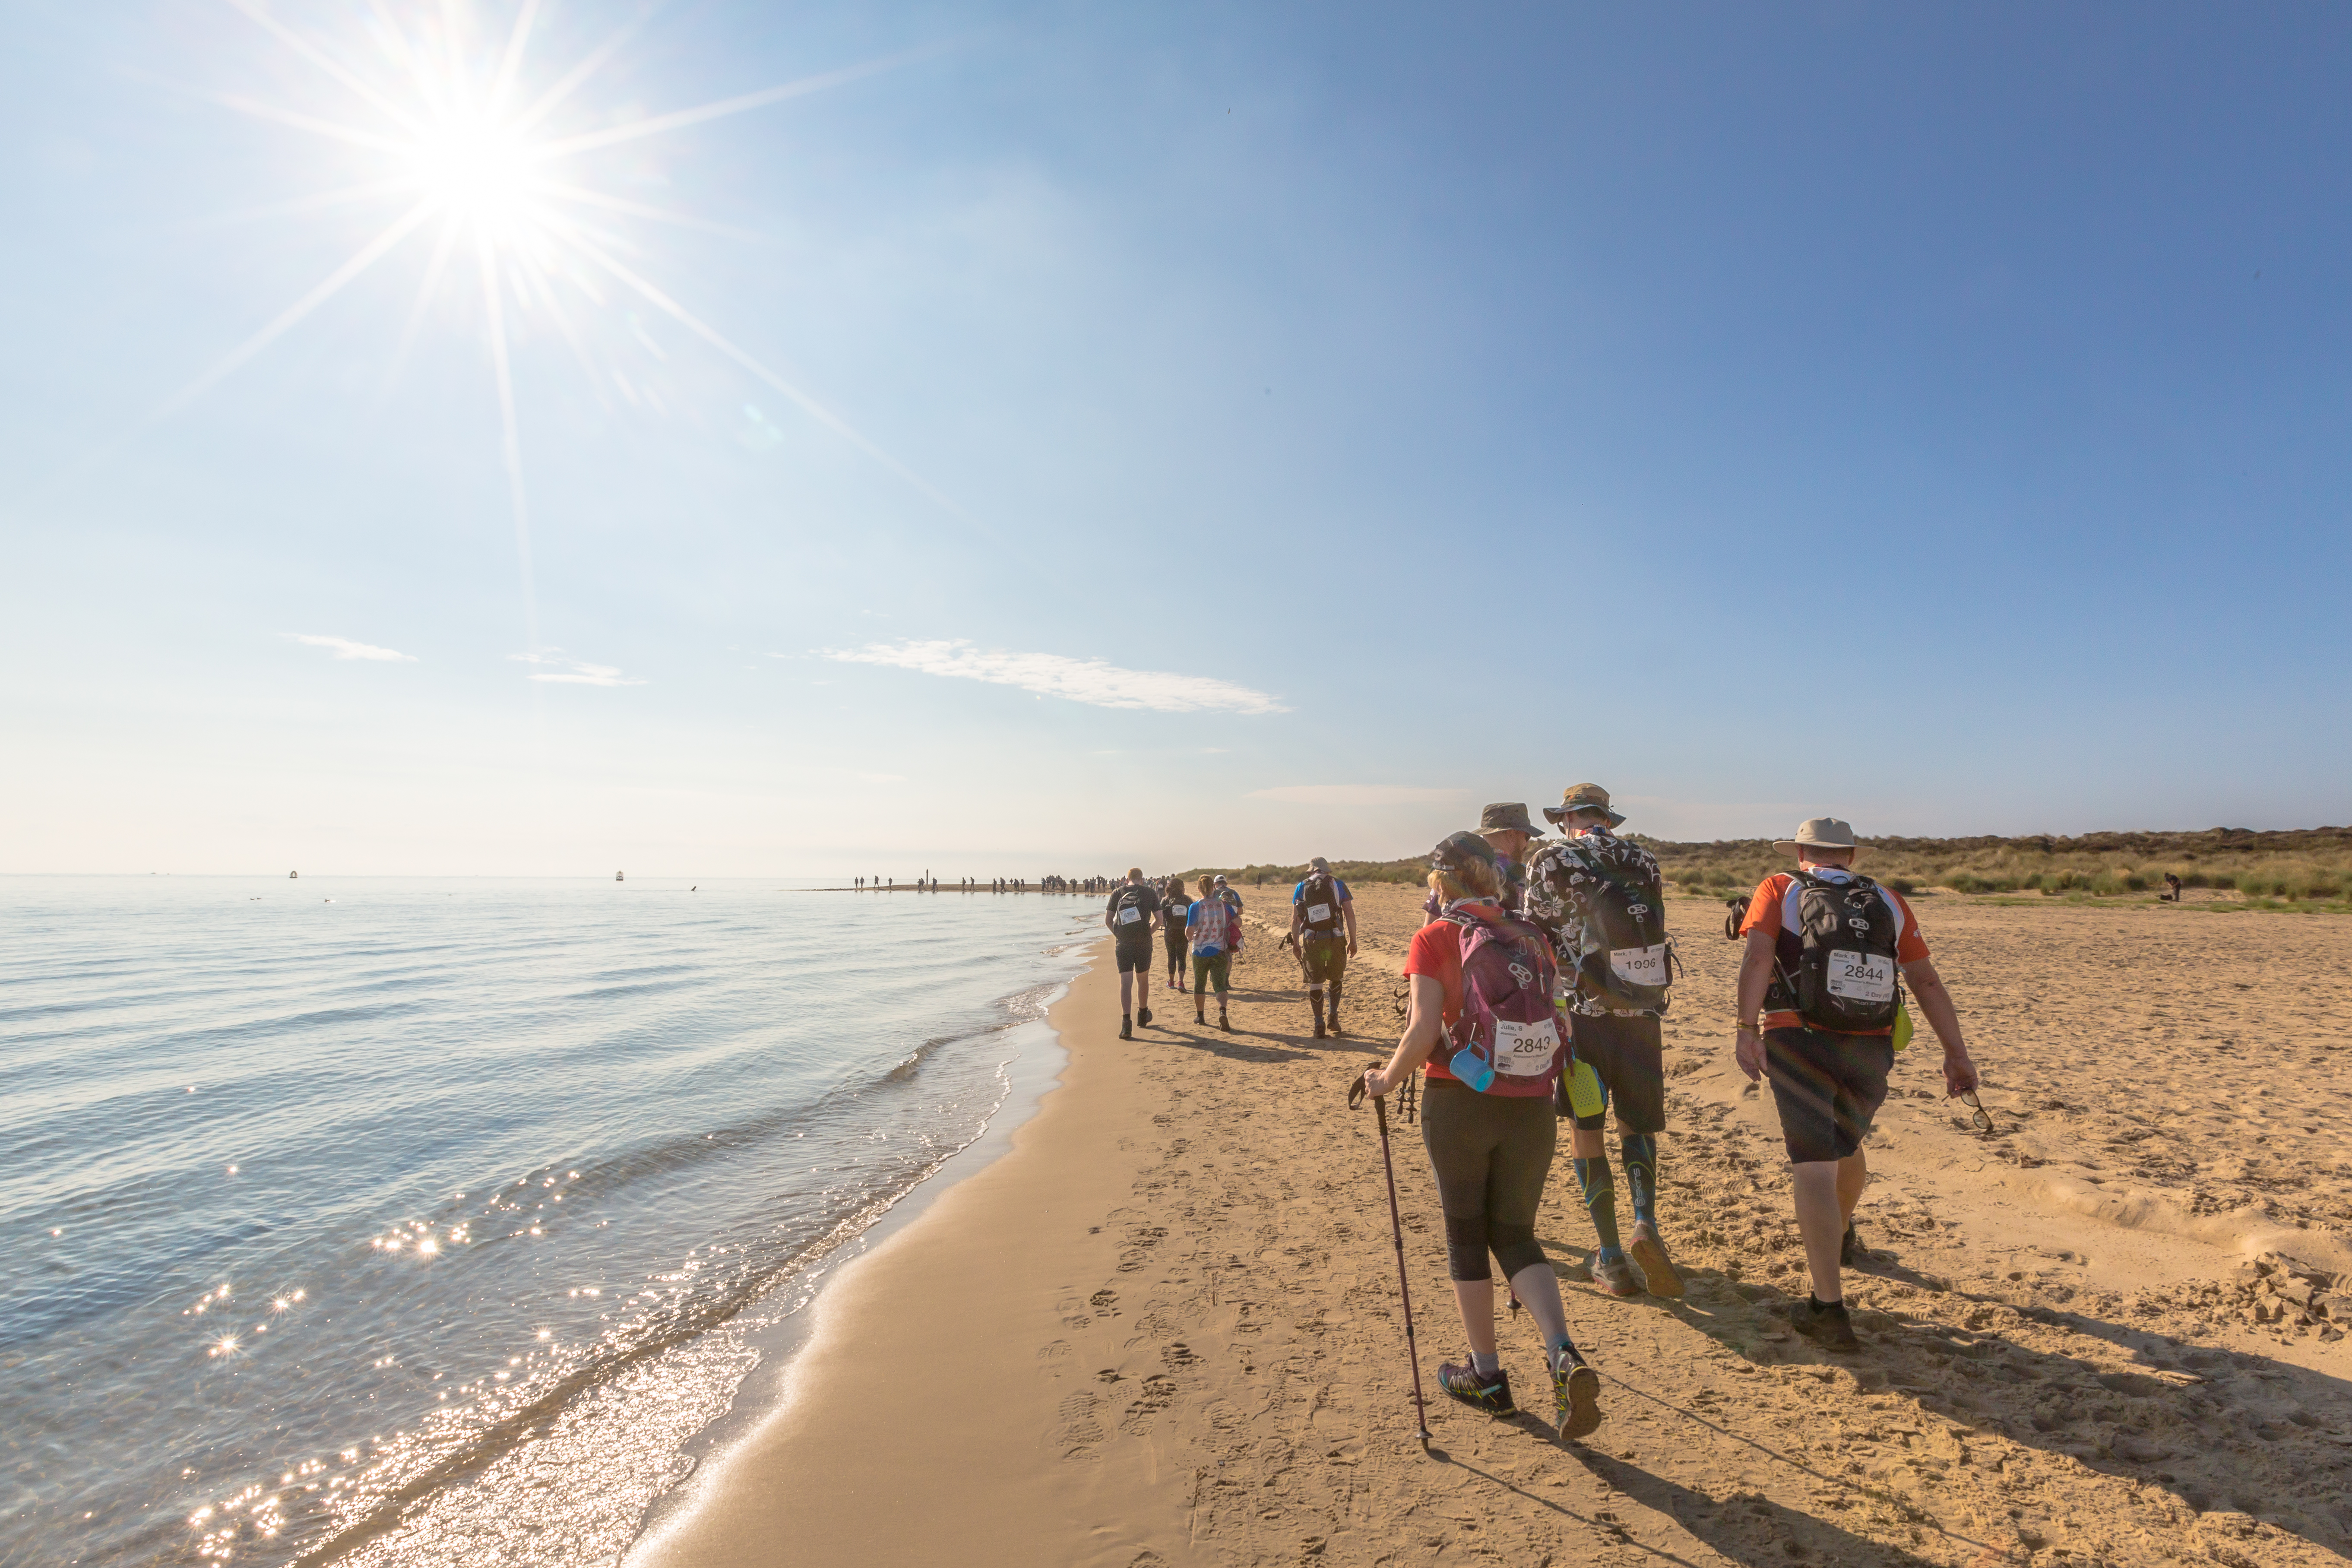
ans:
(472, 165)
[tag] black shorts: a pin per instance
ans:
(1135, 957)
(1625, 1060)
(1325, 958)
(1828, 1087)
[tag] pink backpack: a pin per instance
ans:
(1508, 1039)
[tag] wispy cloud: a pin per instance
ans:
(343, 647)
(563, 672)
(1088, 680)
(1356, 794)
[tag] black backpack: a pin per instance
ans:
(1320, 892)
(1138, 897)
(1847, 979)
(1635, 968)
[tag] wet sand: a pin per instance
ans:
(1163, 1329)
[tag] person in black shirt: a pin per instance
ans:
(1129, 918)
(1175, 903)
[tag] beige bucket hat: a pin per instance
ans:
(1583, 797)
(1819, 833)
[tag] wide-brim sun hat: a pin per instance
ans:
(1820, 833)
(1583, 797)
(1507, 817)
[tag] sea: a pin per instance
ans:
(437, 1221)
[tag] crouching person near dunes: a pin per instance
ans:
(1823, 949)
(1482, 1030)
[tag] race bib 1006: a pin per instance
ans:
(1525, 1050)
(1130, 915)
(1861, 976)
(1639, 965)
(1318, 913)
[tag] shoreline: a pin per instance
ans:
(924, 1311)
(1032, 1072)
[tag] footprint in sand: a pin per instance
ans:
(1158, 1393)
(1080, 1426)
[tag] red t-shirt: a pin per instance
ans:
(1437, 951)
(1775, 900)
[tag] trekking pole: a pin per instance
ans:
(1396, 1229)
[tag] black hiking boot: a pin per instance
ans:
(1126, 1027)
(1850, 1250)
(1827, 1323)
(1335, 1009)
(1143, 1018)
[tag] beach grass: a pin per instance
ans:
(2307, 868)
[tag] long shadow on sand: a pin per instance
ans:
(1238, 1047)
(1750, 1528)
(1744, 1527)
(2221, 1430)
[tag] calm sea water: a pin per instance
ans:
(424, 1222)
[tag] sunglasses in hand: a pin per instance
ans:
(1977, 1112)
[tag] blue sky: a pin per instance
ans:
(1246, 431)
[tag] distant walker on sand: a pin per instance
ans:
(1323, 925)
(1213, 926)
(1130, 918)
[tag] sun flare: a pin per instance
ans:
(448, 123)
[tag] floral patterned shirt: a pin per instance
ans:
(1559, 885)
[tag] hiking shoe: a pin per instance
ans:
(1318, 1029)
(1143, 1018)
(1826, 1323)
(1223, 1023)
(1486, 1391)
(1335, 1023)
(1850, 1250)
(1650, 1255)
(1613, 1272)
(1126, 1027)
(1575, 1394)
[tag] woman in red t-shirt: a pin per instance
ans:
(1491, 1154)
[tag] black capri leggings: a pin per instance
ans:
(1492, 1154)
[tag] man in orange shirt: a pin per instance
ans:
(1823, 947)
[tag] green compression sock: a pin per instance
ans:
(1601, 1199)
(1641, 1151)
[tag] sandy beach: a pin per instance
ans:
(1164, 1329)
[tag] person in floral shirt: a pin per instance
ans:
(1619, 1052)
